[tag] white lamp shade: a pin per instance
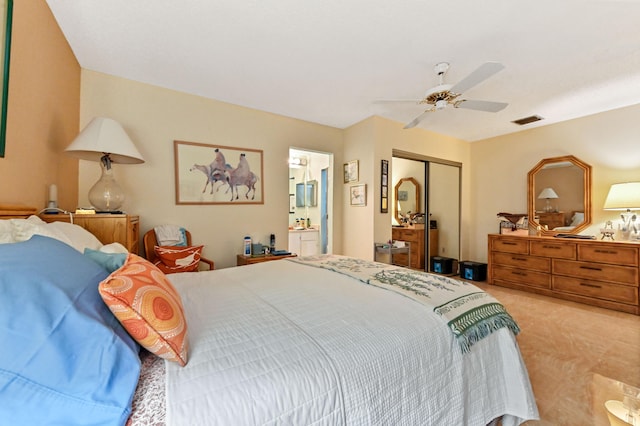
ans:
(548, 193)
(623, 196)
(104, 136)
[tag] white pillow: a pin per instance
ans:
(24, 229)
(6, 232)
(578, 218)
(79, 238)
(70, 234)
(114, 248)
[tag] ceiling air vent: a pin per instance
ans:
(527, 120)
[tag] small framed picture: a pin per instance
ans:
(384, 186)
(351, 171)
(358, 195)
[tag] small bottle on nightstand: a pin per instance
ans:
(247, 246)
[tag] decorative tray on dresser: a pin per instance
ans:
(594, 272)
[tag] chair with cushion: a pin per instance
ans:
(174, 258)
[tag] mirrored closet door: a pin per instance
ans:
(433, 228)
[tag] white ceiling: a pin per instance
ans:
(327, 61)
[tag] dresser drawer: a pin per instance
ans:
(609, 254)
(542, 264)
(513, 245)
(598, 289)
(562, 250)
(405, 235)
(596, 271)
(402, 259)
(522, 276)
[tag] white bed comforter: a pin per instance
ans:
(280, 343)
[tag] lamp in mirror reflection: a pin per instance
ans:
(625, 197)
(548, 194)
(104, 140)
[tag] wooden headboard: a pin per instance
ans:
(16, 211)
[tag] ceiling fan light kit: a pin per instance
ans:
(443, 94)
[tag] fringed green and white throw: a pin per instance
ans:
(470, 313)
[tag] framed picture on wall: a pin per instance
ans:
(351, 171)
(216, 174)
(358, 195)
(384, 186)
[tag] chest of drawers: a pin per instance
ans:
(551, 220)
(415, 236)
(600, 273)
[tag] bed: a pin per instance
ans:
(576, 219)
(327, 340)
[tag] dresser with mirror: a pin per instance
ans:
(595, 272)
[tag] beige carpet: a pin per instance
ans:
(578, 356)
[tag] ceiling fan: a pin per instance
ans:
(440, 96)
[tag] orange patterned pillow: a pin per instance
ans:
(149, 308)
(178, 259)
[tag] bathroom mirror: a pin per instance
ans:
(559, 195)
(407, 197)
(306, 194)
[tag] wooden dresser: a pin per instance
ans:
(595, 272)
(108, 228)
(415, 236)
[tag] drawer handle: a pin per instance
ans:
(590, 285)
(508, 243)
(606, 251)
(552, 247)
(521, 259)
(522, 274)
(592, 268)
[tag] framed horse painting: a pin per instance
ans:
(215, 174)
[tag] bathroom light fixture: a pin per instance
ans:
(296, 162)
(105, 140)
(547, 194)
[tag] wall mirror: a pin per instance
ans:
(306, 194)
(559, 195)
(407, 196)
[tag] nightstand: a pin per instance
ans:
(552, 219)
(242, 260)
(108, 228)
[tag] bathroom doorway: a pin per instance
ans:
(310, 202)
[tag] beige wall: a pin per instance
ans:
(43, 111)
(358, 221)
(155, 117)
(607, 141)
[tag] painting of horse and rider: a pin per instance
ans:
(213, 174)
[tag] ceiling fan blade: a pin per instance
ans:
(486, 106)
(418, 119)
(485, 71)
